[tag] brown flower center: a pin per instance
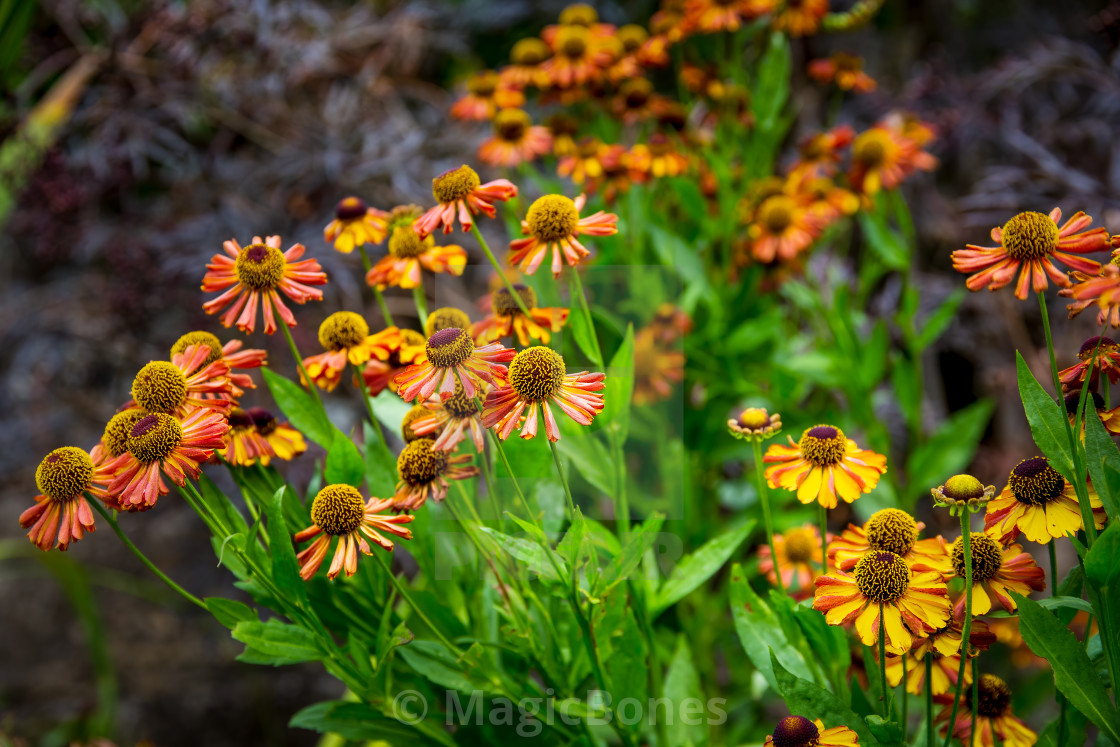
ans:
(338, 509)
(1030, 236)
(260, 267)
(529, 51)
(571, 41)
(800, 545)
(882, 576)
(342, 330)
(350, 208)
(117, 430)
(504, 304)
(65, 473)
(1034, 482)
(776, 213)
(511, 125)
(987, 557)
(552, 217)
(871, 148)
(454, 185)
(795, 731)
(154, 437)
(419, 464)
(536, 373)
(893, 530)
(405, 242)
(823, 445)
(446, 318)
(994, 696)
(449, 347)
(199, 337)
(159, 387)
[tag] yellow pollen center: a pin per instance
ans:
(511, 125)
(882, 576)
(529, 51)
(636, 92)
(260, 267)
(454, 185)
(446, 318)
(1035, 483)
(405, 242)
(483, 85)
(795, 731)
(823, 445)
(893, 530)
(963, 488)
(459, 405)
(870, 148)
(115, 438)
(579, 14)
(504, 304)
(199, 338)
(64, 473)
(414, 414)
(419, 464)
(449, 347)
(572, 41)
(1030, 236)
(536, 373)
(776, 213)
(994, 696)
(987, 557)
(754, 418)
(801, 545)
(159, 387)
(552, 218)
(154, 437)
(632, 37)
(342, 330)
(338, 509)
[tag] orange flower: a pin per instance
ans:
(339, 511)
(800, 17)
(635, 101)
(160, 445)
(944, 646)
(845, 69)
(656, 367)
(256, 273)
(799, 558)
(553, 223)
(506, 318)
(406, 347)
(355, 224)
(192, 379)
(1110, 419)
(114, 440)
(447, 420)
(995, 570)
(516, 140)
(345, 336)
(408, 253)
(486, 94)
(1039, 503)
(424, 472)
(1103, 289)
(782, 228)
(579, 56)
(525, 68)
(563, 129)
(820, 154)
(888, 153)
(713, 16)
(585, 163)
(824, 464)
(894, 530)
(1095, 355)
(994, 718)
(460, 194)
(451, 356)
(537, 377)
(285, 441)
(798, 731)
(1032, 241)
(657, 158)
(244, 444)
(61, 513)
(230, 354)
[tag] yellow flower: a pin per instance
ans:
(893, 530)
(993, 717)
(755, 422)
(339, 511)
(1039, 503)
(995, 570)
(824, 464)
(798, 731)
(346, 338)
(355, 224)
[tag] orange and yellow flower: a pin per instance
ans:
(339, 511)
(579, 56)
(409, 254)
(461, 195)
(346, 338)
(657, 158)
(714, 16)
(586, 162)
(447, 421)
(451, 356)
(1095, 355)
(1032, 241)
(254, 276)
(406, 348)
(231, 354)
(244, 444)
(1040, 504)
(516, 140)
(61, 513)
(657, 367)
(885, 155)
(799, 558)
(524, 69)
(1110, 418)
(487, 93)
(820, 154)
(994, 718)
(1102, 289)
(798, 731)
(824, 464)
(355, 224)
(423, 473)
(537, 377)
(894, 530)
(944, 647)
(554, 223)
(995, 570)
(782, 228)
(846, 70)
(799, 17)
(506, 318)
(286, 442)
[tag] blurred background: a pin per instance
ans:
(136, 137)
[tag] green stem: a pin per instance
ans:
(966, 631)
(883, 664)
(823, 518)
(764, 499)
(563, 479)
(416, 608)
(141, 556)
(376, 291)
(369, 403)
(622, 505)
(586, 309)
(498, 269)
(305, 379)
(929, 698)
(421, 304)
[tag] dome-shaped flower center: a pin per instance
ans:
(579, 14)
(260, 267)
(754, 418)
(571, 41)
(823, 445)
(154, 436)
(64, 473)
(239, 418)
(454, 185)
(536, 373)
(893, 530)
(159, 387)
(414, 414)
(871, 148)
(449, 347)
(117, 430)
(801, 545)
(350, 208)
(552, 217)
(776, 213)
(446, 318)
(404, 242)
(987, 557)
(1034, 482)
(419, 464)
(529, 51)
(882, 576)
(1030, 235)
(338, 509)
(511, 125)
(199, 337)
(459, 405)
(636, 92)
(403, 215)
(504, 304)
(1106, 345)
(483, 85)
(632, 37)
(795, 731)
(263, 419)
(341, 330)
(963, 488)
(994, 696)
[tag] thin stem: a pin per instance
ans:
(929, 698)
(498, 269)
(764, 499)
(415, 608)
(966, 631)
(304, 378)
(421, 304)
(883, 663)
(563, 479)
(976, 704)
(143, 558)
(622, 506)
(823, 518)
(1052, 547)
(376, 291)
(586, 309)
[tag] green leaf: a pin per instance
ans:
(951, 447)
(1074, 603)
(623, 566)
(357, 721)
(381, 465)
(1101, 564)
(1073, 672)
(937, 322)
(761, 632)
(887, 244)
(390, 409)
(619, 388)
(802, 696)
(693, 570)
(682, 685)
(285, 568)
(582, 330)
(344, 462)
(432, 660)
(1047, 419)
(229, 612)
(590, 456)
(1104, 464)
(772, 88)
(527, 551)
(275, 643)
(887, 732)
(300, 408)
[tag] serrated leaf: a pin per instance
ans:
(693, 570)
(1047, 419)
(300, 408)
(803, 696)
